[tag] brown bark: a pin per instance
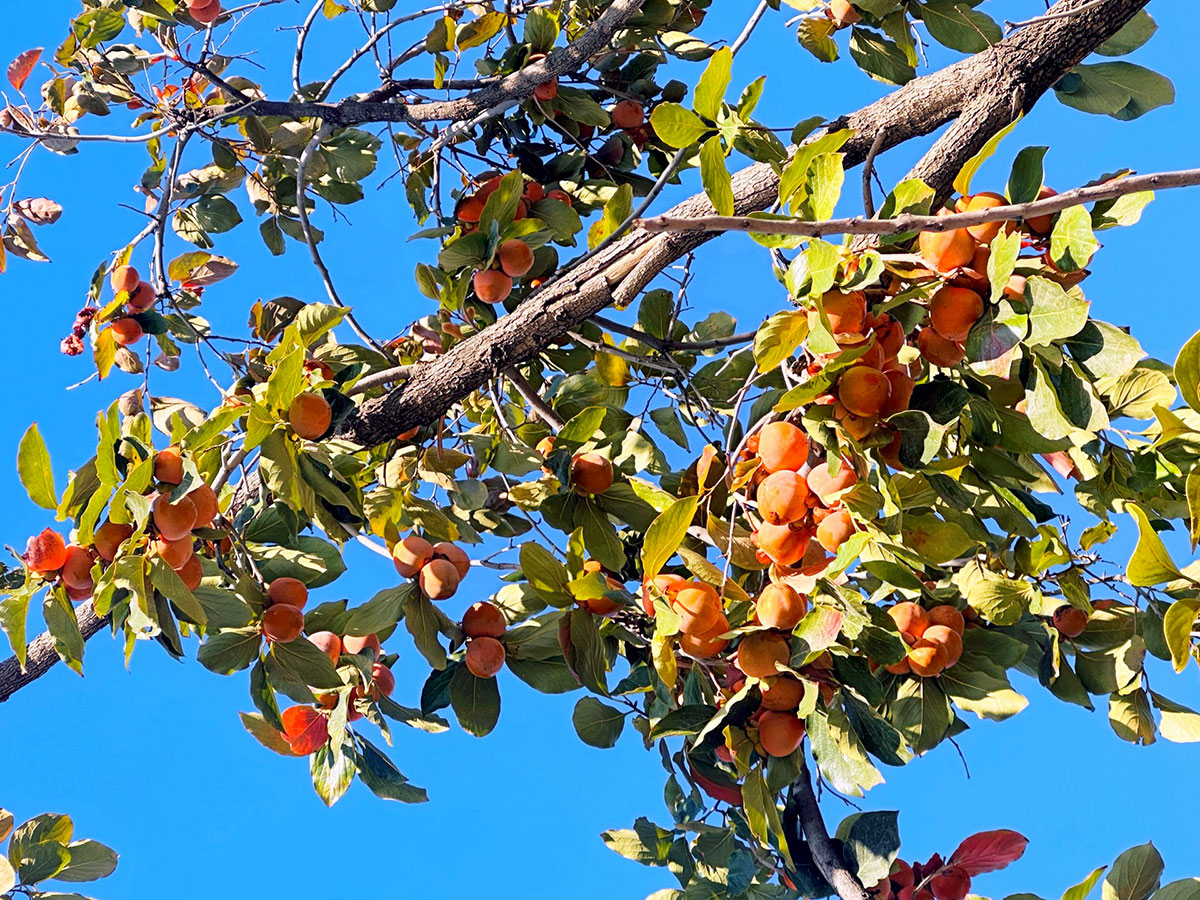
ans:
(41, 655)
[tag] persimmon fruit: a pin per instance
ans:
(108, 538)
(126, 331)
(780, 733)
(780, 606)
(191, 573)
(828, 486)
(305, 729)
(864, 390)
(782, 497)
(483, 619)
(438, 579)
(282, 623)
(699, 607)
(847, 312)
(310, 415)
(591, 473)
(174, 553)
(760, 651)
(355, 644)
(484, 657)
(173, 520)
(328, 643)
(410, 554)
(782, 693)
(947, 615)
(124, 278)
(946, 250)
(204, 498)
(953, 310)
(835, 529)
(286, 589)
(781, 445)
(1070, 621)
(77, 568)
(949, 639)
(951, 883)
(491, 285)
(455, 554)
(168, 466)
(628, 114)
(515, 257)
(46, 552)
(783, 544)
(938, 350)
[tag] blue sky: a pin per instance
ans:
(153, 760)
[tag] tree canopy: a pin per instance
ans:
(784, 557)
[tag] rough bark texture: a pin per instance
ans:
(825, 854)
(989, 88)
(41, 656)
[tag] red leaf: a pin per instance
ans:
(306, 729)
(989, 851)
(19, 68)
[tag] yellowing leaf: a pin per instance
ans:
(1150, 563)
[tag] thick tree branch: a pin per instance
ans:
(1024, 65)
(1109, 190)
(825, 854)
(41, 656)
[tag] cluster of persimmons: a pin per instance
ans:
(171, 534)
(932, 880)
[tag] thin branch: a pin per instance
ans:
(1010, 27)
(375, 379)
(868, 171)
(1109, 190)
(825, 854)
(755, 18)
(543, 409)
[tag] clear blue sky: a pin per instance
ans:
(153, 760)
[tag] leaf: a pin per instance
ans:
(1178, 723)
(962, 183)
(63, 626)
(880, 58)
(1178, 622)
(379, 774)
(421, 620)
(1131, 719)
(871, 842)
(476, 701)
(546, 575)
(1150, 563)
(1081, 890)
(1187, 372)
(332, 773)
(8, 878)
(710, 90)
(683, 721)
(666, 533)
(266, 734)
(597, 724)
(1134, 874)
(90, 861)
(989, 851)
(779, 337)
(21, 67)
(1054, 314)
(1072, 243)
(676, 126)
(33, 467)
(1183, 889)
(761, 812)
(1119, 89)
(714, 175)
(959, 27)
(1028, 175)
(1133, 34)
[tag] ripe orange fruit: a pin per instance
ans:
(927, 659)
(843, 13)
(174, 553)
(780, 606)
(484, 657)
(781, 497)
(383, 680)
(108, 538)
(515, 257)
(780, 733)
(168, 466)
(986, 232)
(491, 285)
(707, 645)
(949, 640)
(46, 552)
(355, 644)
(946, 250)
(949, 616)
(124, 278)
(126, 331)
(173, 520)
(826, 486)
(591, 473)
(847, 312)
(305, 729)
(938, 350)
(410, 555)
(782, 543)
(782, 693)
(951, 883)
(910, 618)
(288, 590)
(328, 643)
(204, 498)
(864, 390)
(483, 619)
(1070, 621)
(142, 298)
(455, 554)
(835, 529)
(953, 310)
(628, 114)
(699, 607)
(282, 623)
(310, 416)
(77, 568)
(781, 445)
(1042, 225)
(191, 573)
(438, 579)
(759, 652)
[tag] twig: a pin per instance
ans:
(1010, 27)
(534, 399)
(755, 18)
(868, 171)
(900, 224)
(377, 378)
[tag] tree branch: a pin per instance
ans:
(1109, 190)
(1033, 58)
(41, 657)
(825, 854)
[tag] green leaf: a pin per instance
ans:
(379, 774)
(1132, 720)
(1119, 89)
(959, 27)
(1150, 563)
(616, 210)
(1183, 889)
(761, 812)
(63, 626)
(779, 337)
(596, 723)
(14, 612)
(304, 663)
(546, 575)
(1072, 244)
(267, 735)
(1054, 314)
(666, 533)
(332, 772)
(815, 34)
(710, 90)
(1187, 372)
(476, 701)
(229, 651)
(1028, 175)
(1133, 34)
(33, 466)
(171, 586)
(880, 58)
(1178, 622)
(1081, 890)
(421, 620)
(718, 184)
(683, 721)
(1134, 875)
(871, 842)
(676, 126)
(998, 599)
(1178, 724)
(90, 861)
(922, 713)
(840, 754)
(379, 613)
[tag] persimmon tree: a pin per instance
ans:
(784, 556)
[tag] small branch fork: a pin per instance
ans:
(1109, 190)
